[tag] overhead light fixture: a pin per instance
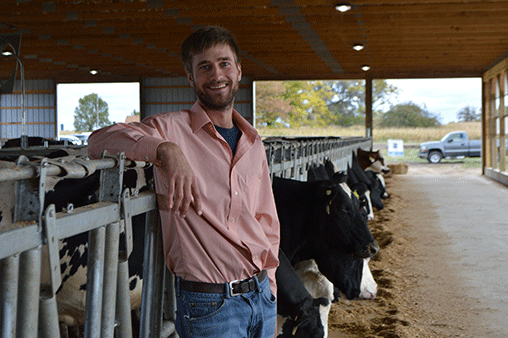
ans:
(94, 71)
(358, 46)
(7, 53)
(343, 7)
(365, 68)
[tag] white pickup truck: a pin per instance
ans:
(453, 145)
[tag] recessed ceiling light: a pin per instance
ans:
(365, 68)
(93, 72)
(358, 46)
(343, 7)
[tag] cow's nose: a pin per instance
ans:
(373, 248)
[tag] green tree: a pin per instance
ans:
(135, 113)
(408, 114)
(92, 113)
(308, 99)
(318, 103)
(468, 114)
(348, 102)
(271, 107)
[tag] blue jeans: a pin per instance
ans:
(214, 315)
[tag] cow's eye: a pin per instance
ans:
(347, 209)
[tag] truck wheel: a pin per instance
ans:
(435, 156)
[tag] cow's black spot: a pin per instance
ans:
(133, 283)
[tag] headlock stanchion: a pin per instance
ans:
(30, 237)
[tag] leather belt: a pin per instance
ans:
(233, 288)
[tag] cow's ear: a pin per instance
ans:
(339, 177)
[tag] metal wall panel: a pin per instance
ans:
(40, 108)
(159, 95)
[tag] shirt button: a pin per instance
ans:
(236, 193)
(232, 220)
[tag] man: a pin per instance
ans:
(220, 226)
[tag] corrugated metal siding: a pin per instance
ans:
(40, 107)
(159, 95)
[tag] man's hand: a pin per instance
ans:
(182, 184)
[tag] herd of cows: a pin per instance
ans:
(324, 252)
(326, 243)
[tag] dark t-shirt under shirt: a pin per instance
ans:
(231, 136)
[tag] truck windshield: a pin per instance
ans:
(456, 137)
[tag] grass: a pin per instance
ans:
(411, 156)
(408, 135)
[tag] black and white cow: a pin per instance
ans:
(320, 222)
(71, 296)
(317, 285)
(356, 280)
(368, 286)
(372, 159)
(357, 175)
(378, 182)
(299, 314)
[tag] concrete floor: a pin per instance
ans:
(473, 211)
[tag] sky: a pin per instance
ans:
(443, 97)
(122, 100)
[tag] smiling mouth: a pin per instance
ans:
(220, 86)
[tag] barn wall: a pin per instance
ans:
(40, 107)
(495, 121)
(159, 95)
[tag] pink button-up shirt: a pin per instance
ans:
(237, 235)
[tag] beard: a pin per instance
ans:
(218, 101)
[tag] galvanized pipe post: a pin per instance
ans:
(8, 295)
(48, 314)
(123, 327)
(110, 280)
(153, 269)
(94, 282)
(169, 316)
(29, 292)
(111, 181)
(123, 299)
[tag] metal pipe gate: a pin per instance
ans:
(28, 307)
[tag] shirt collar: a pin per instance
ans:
(199, 118)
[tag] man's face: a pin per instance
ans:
(215, 76)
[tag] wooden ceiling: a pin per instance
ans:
(295, 39)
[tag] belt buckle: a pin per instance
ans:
(231, 290)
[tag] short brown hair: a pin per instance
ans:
(205, 38)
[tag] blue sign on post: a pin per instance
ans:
(395, 148)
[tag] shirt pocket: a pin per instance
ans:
(251, 188)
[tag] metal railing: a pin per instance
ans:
(28, 307)
(291, 157)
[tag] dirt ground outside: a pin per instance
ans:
(418, 295)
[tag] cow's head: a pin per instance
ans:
(372, 159)
(307, 322)
(340, 225)
(360, 196)
(377, 190)
(344, 271)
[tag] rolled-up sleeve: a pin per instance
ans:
(137, 140)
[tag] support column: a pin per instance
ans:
(368, 107)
